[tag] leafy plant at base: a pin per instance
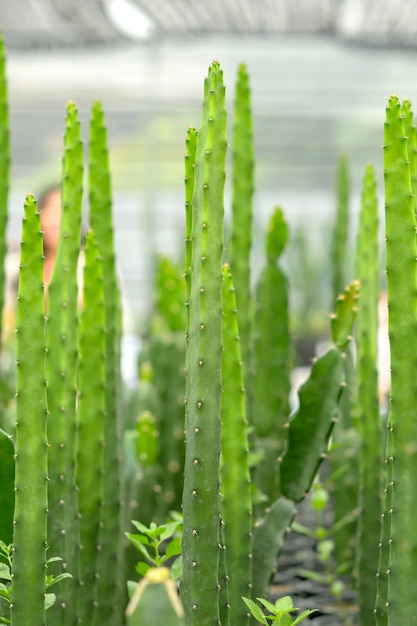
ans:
(6, 551)
(150, 540)
(280, 612)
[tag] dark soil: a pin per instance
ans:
(299, 553)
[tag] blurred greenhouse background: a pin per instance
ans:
(321, 73)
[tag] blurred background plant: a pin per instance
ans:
(127, 53)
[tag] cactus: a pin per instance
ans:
(90, 422)
(31, 498)
(367, 412)
(411, 134)
(189, 163)
(63, 529)
(399, 552)
(340, 234)
(241, 227)
(201, 499)
(272, 361)
(4, 169)
(110, 561)
(235, 477)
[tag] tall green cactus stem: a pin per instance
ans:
(201, 497)
(402, 284)
(90, 421)
(31, 501)
(235, 477)
(411, 134)
(241, 228)
(190, 152)
(367, 412)
(4, 170)
(7, 487)
(272, 359)
(110, 568)
(63, 527)
(340, 234)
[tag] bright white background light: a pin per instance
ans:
(129, 19)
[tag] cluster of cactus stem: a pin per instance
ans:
(210, 428)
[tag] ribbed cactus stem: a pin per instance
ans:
(63, 529)
(111, 567)
(235, 477)
(367, 411)
(243, 186)
(341, 227)
(411, 134)
(31, 503)
(90, 421)
(402, 285)
(4, 169)
(190, 152)
(201, 496)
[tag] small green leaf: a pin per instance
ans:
(142, 528)
(52, 580)
(5, 572)
(142, 568)
(174, 547)
(131, 588)
(139, 546)
(176, 569)
(255, 610)
(268, 605)
(170, 529)
(53, 559)
(303, 616)
(50, 599)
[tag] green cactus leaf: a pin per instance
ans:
(312, 424)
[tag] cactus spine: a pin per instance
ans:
(201, 498)
(367, 411)
(241, 228)
(110, 568)
(90, 421)
(4, 169)
(63, 528)
(235, 478)
(402, 284)
(31, 498)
